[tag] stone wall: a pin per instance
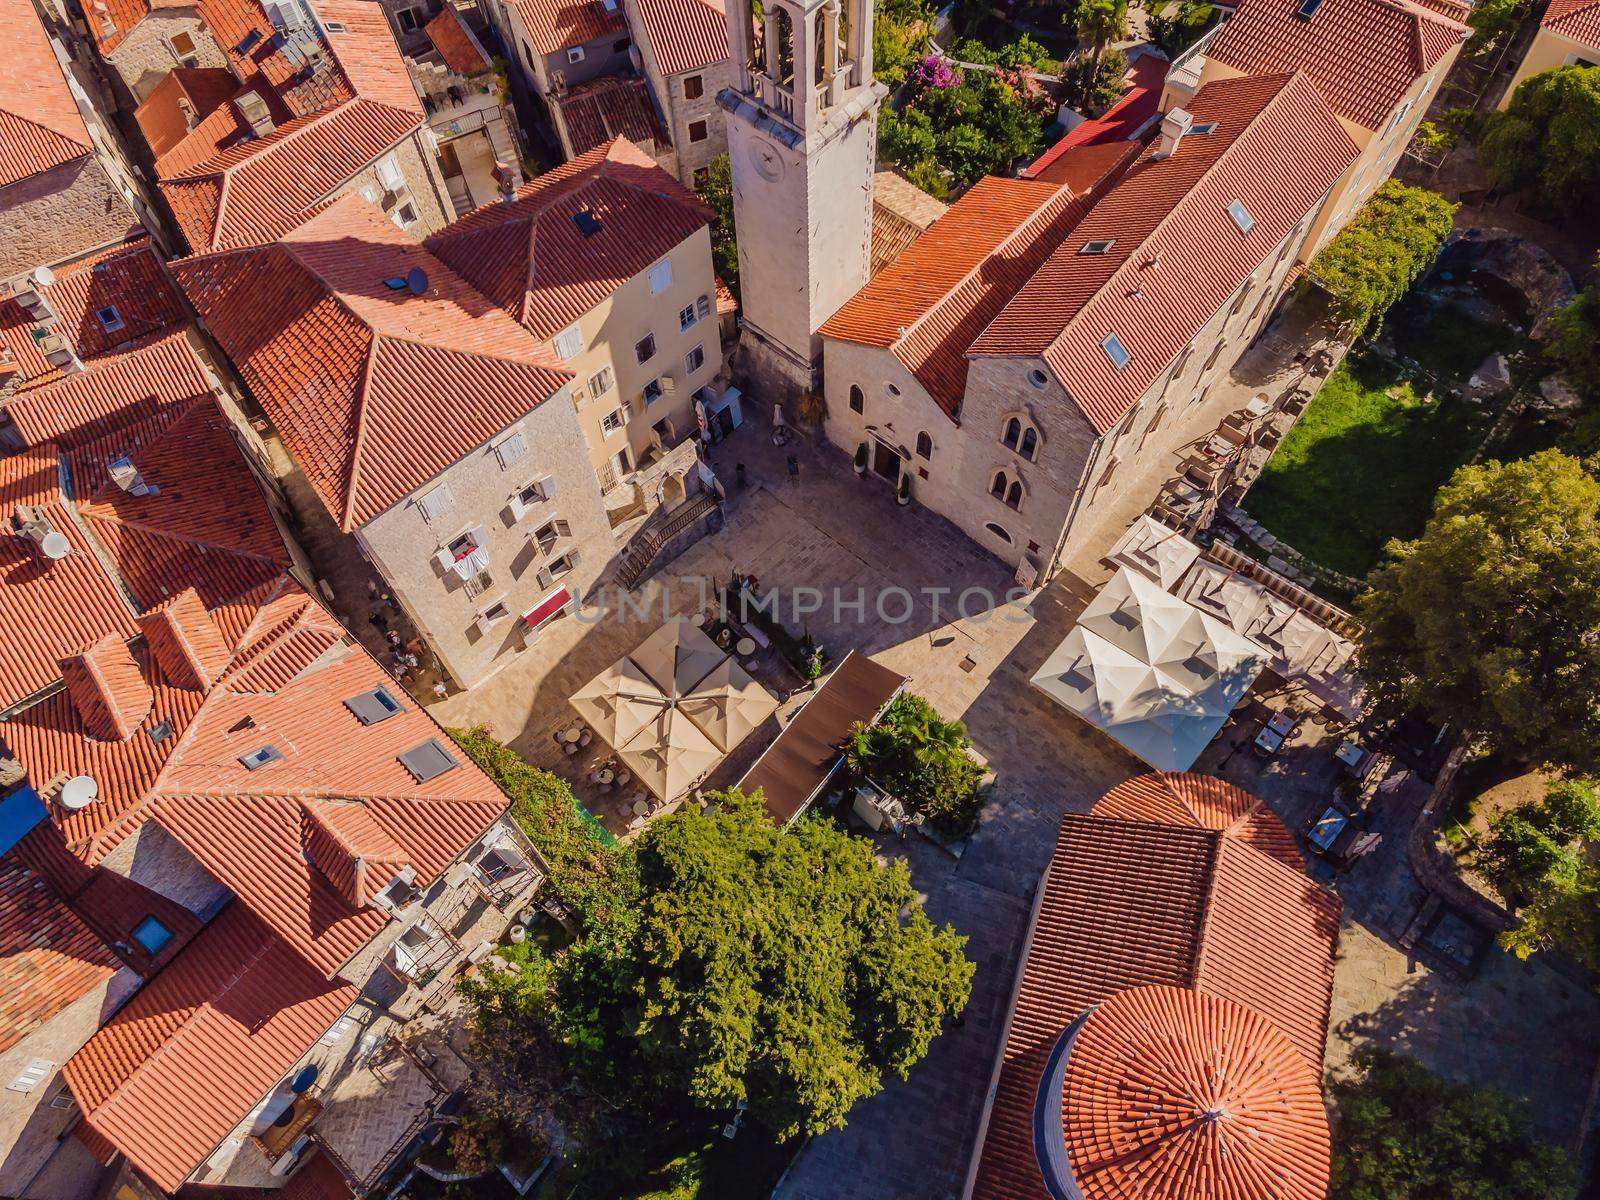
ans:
(419, 163)
(144, 56)
(61, 214)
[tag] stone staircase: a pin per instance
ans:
(649, 543)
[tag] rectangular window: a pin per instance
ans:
(569, 343)
(110, 319)
(257, 759)
(600, 382)
(550, 532)
(152, 935)
(660, 277)
(613, 421)
(183, 49)
(694, 360)
(698, 131)
(406, 215)
(512, 451)
(652, 392)
(1116, 351)
(493, 615)
(1241, 217)
(645, 348)
(693, 87)
(557, 567)
(435, 503)
(374, 706)
(534, 493)
(1099, 247)
(686, 317)
(408, 20)
(427, 760)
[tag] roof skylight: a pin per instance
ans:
(1241, 217)
(1205, 127)
(1116, 351)
(1098, 247)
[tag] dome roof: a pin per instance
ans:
(1169, 1094)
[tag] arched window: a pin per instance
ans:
(1012, 433)
(998, 532)
(858, 402)
(1014, 495)
(1030, 443)
(785, 72)
(758, 36)
(924, 445)
(997, 489)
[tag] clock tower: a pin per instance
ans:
(802, 142)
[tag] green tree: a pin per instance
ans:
(901, 30)
(1403, 1133)
(1489, 619)
(1548, 140)
(1575, 344)
(979, 127)
(924, 760)
(1098, 23)
(1389, 244)
(1490, 20)
(716, 189)
(1098, 93)
(1177, 24)
(1540, 856)
(789, 970)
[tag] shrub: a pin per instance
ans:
(1094, 95)
(923, 760)
(1548, 140)
(1388, 246)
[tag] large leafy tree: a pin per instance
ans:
(1386, 247)
(1490, 620)
(1575, 342)
(1540, 855)
(1405, 1134)
(789, 970)
(980, 126)
(1098, 23)
(1548, 139)
(716, 189)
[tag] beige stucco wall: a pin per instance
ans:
(611, 330)
(61, 214)
(1546, 52)
(143, 57)
(401, 542)
(30, 1129)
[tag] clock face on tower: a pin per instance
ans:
(767, 160)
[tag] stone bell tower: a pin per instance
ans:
(802, 141)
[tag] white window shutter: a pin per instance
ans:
(661, 277)
(436, 503)
(444, 558)
(516, 508)
(562, 528)
(572, 559)
(512, 451)
(569, 343)
(547, 487)
(477, 535)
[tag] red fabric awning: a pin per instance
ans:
(548, 607)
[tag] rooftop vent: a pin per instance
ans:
(428, 760)
(58, 352)
(30, 522)
(588, 224)
(126, 476)
(1174, 126)
(79, 792)
(248, 43)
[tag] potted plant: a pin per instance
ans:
(861, 459)
(905, 488)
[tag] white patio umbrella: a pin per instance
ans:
(677, 656)
(618, 702)
(728, 705)
(669, 753)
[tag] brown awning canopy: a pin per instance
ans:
(794, 768)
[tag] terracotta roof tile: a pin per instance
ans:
(531, 259)
(1363, 55)
(345, 843)
(367, 54)
(190, 1055)
(1576, 19)
(1176, 255)
(554, 25)
(1205, 802)
(1172, 902)
(108, 689)
(186, 641)
(48, 956)
(456, 44)
(685, 35)
(40, 126)
(349, 369)
(159, 116)
(1171, 1093)
(608, 108)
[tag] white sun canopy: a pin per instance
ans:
(1150, 670)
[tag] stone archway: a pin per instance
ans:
(673, 491)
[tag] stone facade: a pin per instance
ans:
(1078, 490)
(418, 159)
(403, 544)
(802, 156)
(686, 116)
(63, 214)
(146, 53)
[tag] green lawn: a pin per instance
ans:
(1362, 465)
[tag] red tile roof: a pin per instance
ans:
(108, 688)
(185, 641)
(130, 279)
(161, 120)
(1363, 55)
(685, 35)
(349, 369)
(554, 25)
(1205, 802)
(190, 1055)
(931, 302)
(1173, 1093)
(1576, 19)
(530, 258)
(456, 44)
(40, 126)
(607, 108)
(1176, 255)
(346, 843)
(1165, 899)
(48, 956)
(1122, 121)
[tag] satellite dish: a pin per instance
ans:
(417, 281)
(55, 546)
(43, 276)
(79, 792)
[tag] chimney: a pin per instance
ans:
(186, 107)
(1173, 127)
